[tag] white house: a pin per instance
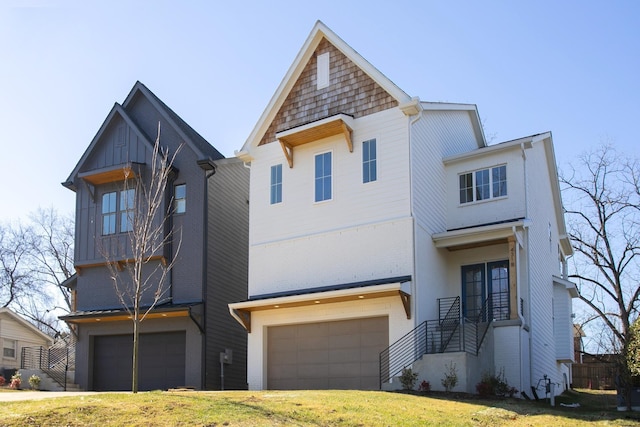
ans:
(15, 334)
(385, 233)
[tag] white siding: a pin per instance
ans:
(364, 232)
(492, 210)
(435, 135)
(543, 263)
(349, 255)
(11, 329)
(562, 325)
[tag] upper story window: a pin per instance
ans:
(323, 177)
(112, 205)
(322, 71)
(9, 348)
(180, 198)
(483, 184)
(369, 161)
(127, 209)
(276, 184)
(109, 213)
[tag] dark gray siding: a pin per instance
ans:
(227, 271)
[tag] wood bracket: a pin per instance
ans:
(406, 302)
(288, 152)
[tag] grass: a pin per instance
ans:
(309, 408)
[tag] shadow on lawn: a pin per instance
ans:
(594, 406)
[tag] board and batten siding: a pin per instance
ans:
(227, 270)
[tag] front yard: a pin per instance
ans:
(311, 408)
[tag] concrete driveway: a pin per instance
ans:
(14, 396)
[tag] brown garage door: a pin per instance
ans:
(328, 355)
(162, 361)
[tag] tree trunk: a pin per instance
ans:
(134, 371)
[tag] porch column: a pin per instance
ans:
(513, 279)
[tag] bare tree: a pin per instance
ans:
(51, 251)
(603, 199)
(140, 271)
(15, 278)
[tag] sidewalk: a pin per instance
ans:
(16, 396)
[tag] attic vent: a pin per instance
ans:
(323, 70)
(120, 142)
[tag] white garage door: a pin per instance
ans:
(328, 355)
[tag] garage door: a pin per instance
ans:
(162, 361)
(328, 355)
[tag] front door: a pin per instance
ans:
(481, 281)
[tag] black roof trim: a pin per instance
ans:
(119, 311)
(352, 285)
(506, 221)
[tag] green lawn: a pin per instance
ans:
(309, 408)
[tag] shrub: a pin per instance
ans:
(495, 385)
(2, 380)
(34, 382)
(408, 379)
(425, 386)
(16, 380)
(450, 377)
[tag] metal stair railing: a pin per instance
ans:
(54, 361)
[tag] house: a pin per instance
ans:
(16, 334)
(185, 335)
(386, 233)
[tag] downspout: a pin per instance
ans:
(209, 168)
(528, 256)
(414, 284)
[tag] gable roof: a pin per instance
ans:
(25, 324)
(191, 137)
(196, 142)
(116, 111)
(319, 32)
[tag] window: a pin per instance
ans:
(109, 213)
(276, 184)
(127, 210)
(486, 285)
(112, 205)
(323, 177)
(369, 168)
(180, 198)
(322, 71)
(483, 184)
(9, 348)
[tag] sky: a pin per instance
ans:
(569, 67)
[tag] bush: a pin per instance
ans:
(16, 380)
(495, 385)
(450, 379)
(425, 387)
(408, 379)
(34, 382)
(2, 381)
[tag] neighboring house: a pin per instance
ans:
(385, 233)
(183, 337)
(16, 334)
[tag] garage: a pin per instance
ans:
(162, 361)
(328, 355)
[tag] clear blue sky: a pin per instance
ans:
(570, 67)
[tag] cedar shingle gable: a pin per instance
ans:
(351, 91)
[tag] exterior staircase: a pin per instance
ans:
(54, 365)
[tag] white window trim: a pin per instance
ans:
(15, 348)
(282, 169)
(322, 70)
(333, 174)
(473, 179)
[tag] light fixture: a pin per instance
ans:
(317, 302)
(360, 296)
